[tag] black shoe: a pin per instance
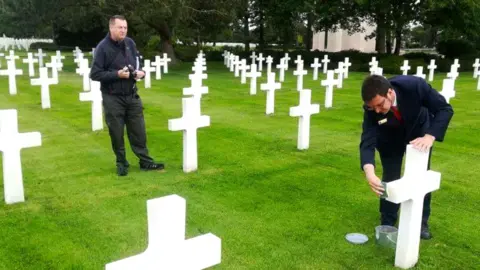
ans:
(425, 233)
(152, 166)
(122, 170)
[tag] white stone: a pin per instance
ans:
(476, 65)
(11, 72)
(78, 59)
(286, 60)
(329, 83)
(374, 66)
(409, 191)
(165, 62)
(30, 61)
(11, 142)
(269, 64)
(253, 75)
(45, 83)
(453, 74)
(225, 55)
(300, 72)
(148, 69)
(40, 56)
(84, 71)
(448, 90)
(340, 71)
(325, 62)
(260, 60)
(304, 111)
(243, 71)
(167, 247)
(158, 67)
(405, 68)
(253, 57)
(419, 73)
(282, 67)
(95, 96)
(189, 123)
(347, 66)
(431, 69)
(316, 65)
(238, 64)
(196, 89)
(270, 87)
(54, 66)
(232, 62)
(60, 57)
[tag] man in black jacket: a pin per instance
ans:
(400, 111)
(115, 66)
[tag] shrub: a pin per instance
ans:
(456, 48)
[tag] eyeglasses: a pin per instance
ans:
(379, 105)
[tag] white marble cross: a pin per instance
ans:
(374, 66)
(325, 62)
(405, 68)
(316, 65)
(287, 60)
(270, 87)
(253, 75)
(225, 55)
(165, 62)
(40, 56)
(409, 191)
(196, 89)
(44, 81)
(238, 64)
(340, 71)
(282, 67)
(12, 57)
(346, 65)
(11, 142)
(232, 62)
(30, 61)
(378, 71)
(420, 73)
(300, 72)
(453, 74)
(76, 51)
(456, 63)
(260, 60)
(478, 83)
(243, 71)
(148, 69)
(253, 57)
(1, 55)
(54, 66)
(167, 247)
(431, 69)
(329, 83)
(11, 72)
(448, 90)
(84, 71)
(78, 59)
(158, 64)
(95, 96)
(269, 64)
(189, 123)
(304, 111)
(60, 57)
(476, 65)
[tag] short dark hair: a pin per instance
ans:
(116, 17)
(374, 85)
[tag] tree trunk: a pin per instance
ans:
(389, 41)
(246, 32)
(380, 45)
(325, 42)
(309, 37)
(166, 39)
(398, 39)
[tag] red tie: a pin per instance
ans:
(397, 114)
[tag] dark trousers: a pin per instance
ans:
(121, 111)
(392, 167)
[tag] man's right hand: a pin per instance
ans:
(374, 182)
(123, 74)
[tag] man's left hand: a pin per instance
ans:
(140, 74)
(423, 143)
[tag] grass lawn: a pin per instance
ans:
(274, 207)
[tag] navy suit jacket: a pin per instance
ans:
(423, 110)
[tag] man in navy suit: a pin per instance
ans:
(399, 111)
